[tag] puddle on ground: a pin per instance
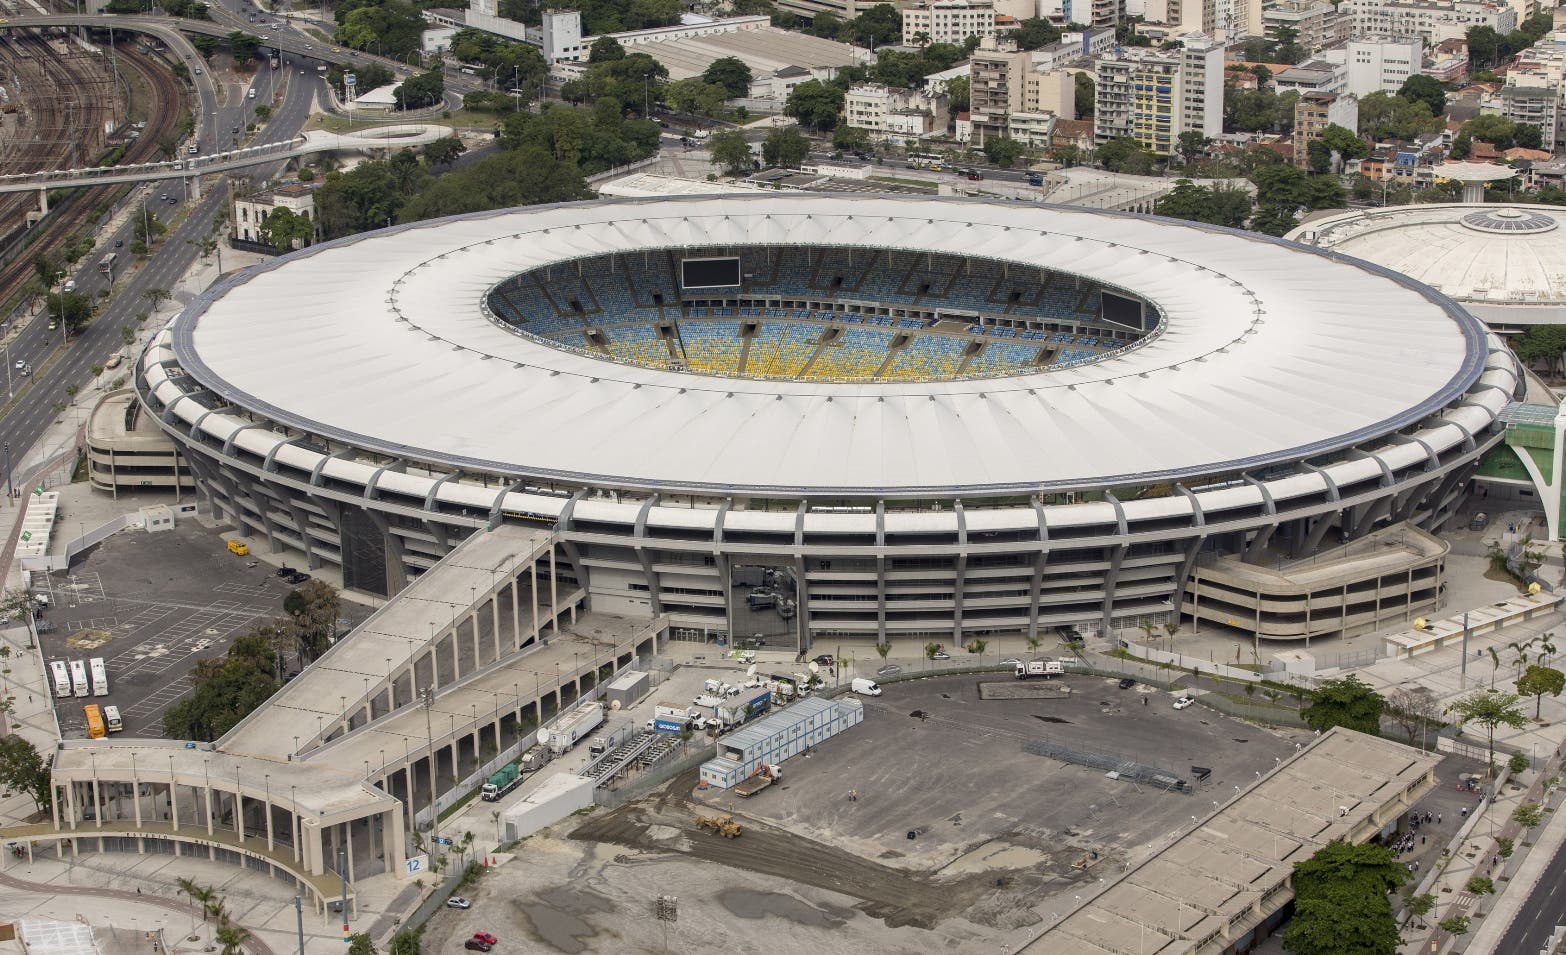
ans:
(996, 855)
(749, 904)
(556, 918)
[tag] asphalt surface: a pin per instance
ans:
(56, 367)
(1545, 909)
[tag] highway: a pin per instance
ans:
(54, 368)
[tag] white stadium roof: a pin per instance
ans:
(1268, 353)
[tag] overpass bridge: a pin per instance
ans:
(164, 27)
(315, 141)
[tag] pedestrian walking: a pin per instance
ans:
(1465, 812)
(1438, 819)
(1423, 839)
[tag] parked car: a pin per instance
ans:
(824, 659)
(1183, 702)
(1011, 662)
(486, 938)
(941, 655)
(1127, 683)
(888, 670)
(474, 945)
(286, 571)
(458, 902)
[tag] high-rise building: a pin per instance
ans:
(996, 86)
(1317, 24)
(1383, 64)
(948, 21)
(1152, 96)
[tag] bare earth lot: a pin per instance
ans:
(1004, 841)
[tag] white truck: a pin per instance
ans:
(673, 719)
(1043, 668)
(575, 726)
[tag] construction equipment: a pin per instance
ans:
(764, 776)
(723, 825)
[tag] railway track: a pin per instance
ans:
(76, 210)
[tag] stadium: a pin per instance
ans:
(795, 418)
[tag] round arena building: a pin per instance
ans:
(796, 417)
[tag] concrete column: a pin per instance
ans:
(136, 799)
(456, 652)
(174, 802)
(206, 793)
(494, 620)
(271, 842)
(473, 622)
(348, 834)
(239, 813)
(516, 613)
(532, 571)
(97, 804)
(70, 802)
(43, 201)
(396, 838)
(293, 823)
(554, 596)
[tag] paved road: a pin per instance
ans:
(1545, 909)
(31, 414)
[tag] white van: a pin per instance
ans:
(252, 92)
(79, 684)
(865, 687)
(62, 678)
(111, 719)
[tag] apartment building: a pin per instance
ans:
(996, 87)
(948, 21)
(895, 114)
(1383, 64)
(1430, 20)
(1053, 92)
(1537, 105)
(1313, 76)
(1314, 113)
(1222, 19)
(1153, 96)
(1317, 23)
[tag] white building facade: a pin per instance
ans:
(1383, 64)
(1432, 21)
(948, 21)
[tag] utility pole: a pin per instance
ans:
(299, 918)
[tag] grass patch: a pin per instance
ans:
(460, 804)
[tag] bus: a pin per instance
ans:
(95, 729)
(924, 161)
(79, 682)
(106, 265)
(100, 677)
(111, 719)
(62, 679)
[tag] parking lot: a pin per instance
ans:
(1001, 840)
(152, 605)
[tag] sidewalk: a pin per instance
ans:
(1528, 872)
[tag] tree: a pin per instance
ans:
(1192, 144)
(156, 297)
(361, 944)
(1126, 155)
(1346, 702)
(1420, 906)
(1484, 47)
(71, 309)
(1415, 709)
(243, 46)
(231, 938)
(285, 230)
(1318, 157)
(1528, 815)
(1490, 709)
(444, 152)
(1519, 763)
(1344, 142)
(1419, 88)
(1340, 901)
(729, 149)
(225, 691)
(1223, 205)
(959, 90)
(1392, 117)
(880, 25)
(314, 607)
(1086, 95)
(1528, 136)
(604, 50)
(884, 649)
(785, 147)
(1034, 33)
(731, 73)
(24, 769)
(695, 95)
(1455, 925)
(421, 89)
(930, 650)
(815, 104)
(848, 138)
(1539, 680)
(1002, 150)
(1288, 48)
(391, 28)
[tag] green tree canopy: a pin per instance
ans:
(1346, 702)
(71, 309)
(1086, 95)
(1341, 904)
(391, 28)
(1424, 89)
(1002, 150)
(1391, 117)
(604, 50)
(24, 769)
(729, 149)
(444, 152)
(1220, 204)
(1537, 680)
(815, 104)
(285, 230)
(243, 46)
(1126, 155)
(226, 690)
(785, 146)
(731, 73)
(1034, 33)
(421, 89)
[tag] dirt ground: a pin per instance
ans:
(1003, 842)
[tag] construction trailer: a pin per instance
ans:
(628, 689)
(773, 739)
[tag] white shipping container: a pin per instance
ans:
(62, 678)
(79, 684)
(100, 677)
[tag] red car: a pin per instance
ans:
(485, 937)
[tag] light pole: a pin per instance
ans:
(10, 492)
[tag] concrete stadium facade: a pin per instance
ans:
(357, 403)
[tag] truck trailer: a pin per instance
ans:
(575, 726)
(1043, 668)
(736, 710)
(508, 778)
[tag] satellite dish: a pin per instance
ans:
(751, 671)
(614, 705)
(1533, 589)
(815, 667)
(543, 736)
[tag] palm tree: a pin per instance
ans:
(231, 937)
(884, 649)
(979, 646)
(921, 39)
(1033, 642)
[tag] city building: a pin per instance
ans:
(1153, 96)
(1315, 76)
(1317, 24)
(893, 113)
(997, 82)
(1447, 61)
(1383, 64)
(1430, 20)
(1053, 92)
(250, 212)
(947, 21)
(1538, 106)
(1072, 47)
(560, 36)
(1034, 130)
(1226, 20)
(1314, 113)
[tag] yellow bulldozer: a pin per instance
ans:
(723, 825)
